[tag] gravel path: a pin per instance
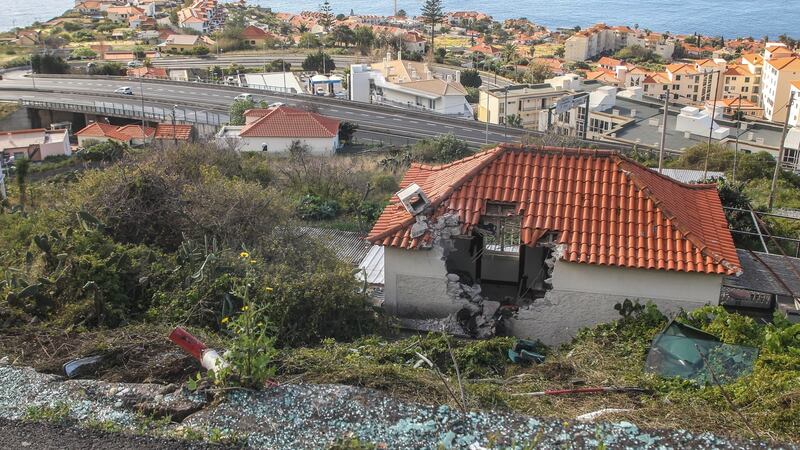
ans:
(49, 436)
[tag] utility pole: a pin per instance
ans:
(711, 126)
(141, 94)
(780, 153)
(486, 139)
(738, 131)
(505, 109)
(663, 132)
(174, 132)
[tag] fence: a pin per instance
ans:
(151, 113)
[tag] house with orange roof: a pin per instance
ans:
(414, 42)
(257, 37)
(600, 38)
(276, 129)
(123, 13)
(689, 83)
(554, 236)
(488, 50)
(175, 133)
(732, 106)
(100, 132)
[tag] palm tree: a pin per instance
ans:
(302, 28)
(21, 169)
(509, 53)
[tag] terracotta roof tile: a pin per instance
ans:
(97, 129)
(169, 131)
(135, 131)
(290, 122)
(605, 208)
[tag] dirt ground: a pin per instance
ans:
(46, 436)
(131, 354)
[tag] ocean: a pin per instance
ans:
(727, 18)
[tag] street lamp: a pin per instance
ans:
(174, 132)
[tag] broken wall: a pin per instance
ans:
(415, 283)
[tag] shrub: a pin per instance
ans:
(442, 149)
(312, 207)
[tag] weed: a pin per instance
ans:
(59, 412)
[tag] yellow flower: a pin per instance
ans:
(268, 289)
(244, 255)
(253, 261)
(225, 320)
(245, 308)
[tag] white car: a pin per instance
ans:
(124, 90)
(134, 63)
(276, 104)
(244, 97)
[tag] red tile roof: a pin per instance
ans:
(97, 129)
(607, 209)
(291, 122)
(169, 131)
(135, 131)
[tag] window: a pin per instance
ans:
(746, 79)
(501, 225)
(677, 78)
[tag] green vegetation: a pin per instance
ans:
(49, 64)
(319, 62)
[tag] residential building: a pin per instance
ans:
(414, 42)
(88, 7)
(123, 13)
(203, 16)
(743, 78)
(273, 81)
(732, 105)
(28, 38)
(35, 144)
(600, 39)
(486, 50)
(689, 83)
(794, 113)
(411, 85)
(103, 132)
(275, 129)
(183, 43)
(557, 235)
(524, 100)
(777, 77)
(257, 37)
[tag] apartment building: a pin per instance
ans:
(410, 85)
(778, 75)
(202, 16)
(600, 38)
(688, 83)
(739, 80)
(794, 113)
(525, 100)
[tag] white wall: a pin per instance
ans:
(319, 146)
(415, 283)
(584, 295)
(56, 148)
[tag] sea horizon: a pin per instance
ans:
(684, 17)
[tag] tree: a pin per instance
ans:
(443, 149)
(559, 51)
(342, 34)
(471, 78)
(326, 15)
(509, 53)
(432, 15)
(319, 62)
(441, 54)
(514, 120)
(402, 13)
(537, 73)
(48, 64)
(364, 38)
(346, 131)
(309, 40)
(302, 28)
(21, 169)
(237, 109)
(83, 52)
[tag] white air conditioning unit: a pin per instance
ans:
(413, 199)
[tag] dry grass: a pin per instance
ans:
(7, 108)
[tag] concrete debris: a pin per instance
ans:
(420, 227)
(82, 366)
(592, 416)
(304, 416)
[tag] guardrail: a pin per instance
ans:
(151, 113)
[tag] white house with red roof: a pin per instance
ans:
(275, 129)
(555, 237)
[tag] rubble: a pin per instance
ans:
(314, 416)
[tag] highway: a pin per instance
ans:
(372, 120)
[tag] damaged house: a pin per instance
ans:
(538, 243)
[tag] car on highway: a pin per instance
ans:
(244, 97)
(134, 63)
(124, 90)
(276, 104)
